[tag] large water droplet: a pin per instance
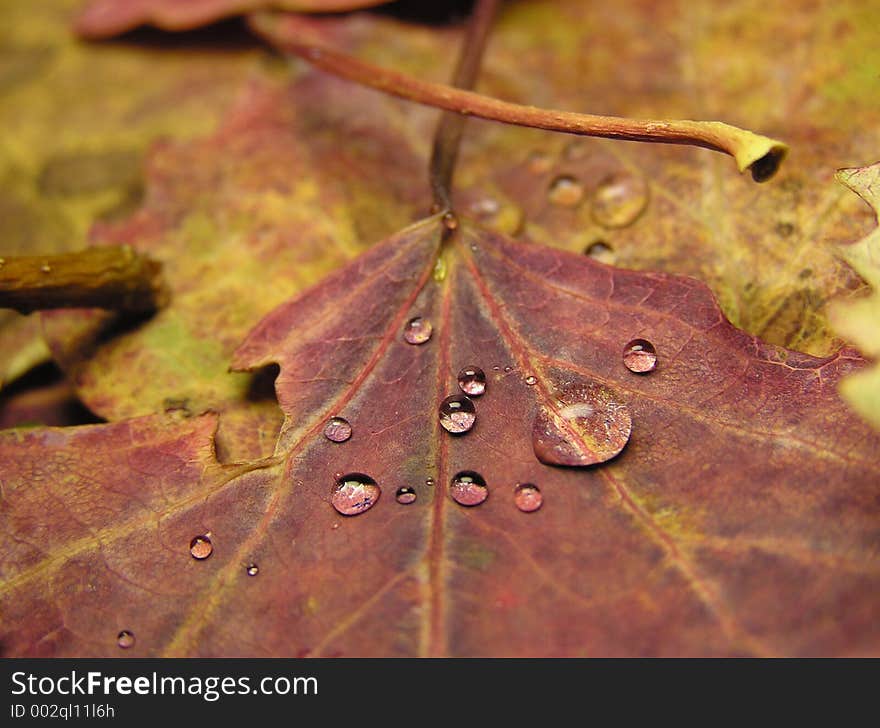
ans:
(354, 493)
(417, 330)
(528, 497)
(457, 414)
(468, 488)
(586, 424)
(405, 495)
(125, 639)
(337, 429)
(619, 200)
(201, 547)
(472, 381)
(252, 569)
(565, 191)
(639, 356)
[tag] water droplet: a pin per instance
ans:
(468, 488)
(46, 268)
(531, 380)
(337, 429)
(354, 493)
(619, 200)
(508, 369)
(528, 497)
(125, 639)
(405, 495)
(472, 381)
(486, 207)
(252, 569)
(457, 414)
(201, 547)
(586, 424)
(450, 221)
(639, 356)
(417, 330)
(496, 368)
(430, 482)
(565, 191)
(439, 272)
(539, 162)
(601, 251)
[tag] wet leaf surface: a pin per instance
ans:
(731, 523)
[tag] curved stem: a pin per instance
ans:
(447, 138)
(758, 154)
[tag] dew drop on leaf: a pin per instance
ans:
(528, 497)
(508, 369)
(252, 569)
(468, 488)
(531, 380)
(619, 200)
(337, 429)
(639, 356)
(472, 381)
(405, 495)
(600, 251)
(565, 191)
(354, 493)
(430, 482)
(201, 547)
(457, 414)
(125, 639)
(417, 330)
(587, 423)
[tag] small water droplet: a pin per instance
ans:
(565, 191)
(201, 547)
(334, 526)
(46, 268)
(354, 493)
(508, 369)
(417, 330)
(457, 414)
(450, 221)
(528, 497)
(539, 162)
(472, 381)
(430, 482)
(125, 639)
(468, 488)
(600, 251)
(496, 368)
(619, 200)
(531, 380)
(586, 424)
(639, 356)
(252, 569)
(338, 429)
(405, 495)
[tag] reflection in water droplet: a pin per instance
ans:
(639, 356)
(201, 547)
(337, 429)
(528, 497)
(252, 569)
(472, 381)
(601, 251)
(468, 488)
(417, 330)
(125, 639)
(405, 495)
(354, 493)
(619, 200)
(531, 380)
(565, 191)
(586, 424)
(457, 414)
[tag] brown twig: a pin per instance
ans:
(758, 154)
(113, 277)
(447, 138)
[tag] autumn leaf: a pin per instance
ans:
(106, 18)
(729, 524)
(859, 320)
